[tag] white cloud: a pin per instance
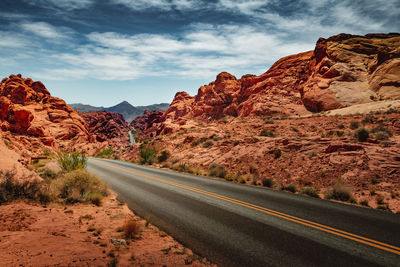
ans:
(45, 30)
(11, 40)
(159, 4)
(62, 4)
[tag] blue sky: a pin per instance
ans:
(101, 52)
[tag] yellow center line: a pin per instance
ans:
(331, 230)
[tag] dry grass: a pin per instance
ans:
(131, 227)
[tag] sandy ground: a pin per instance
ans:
(84, 235)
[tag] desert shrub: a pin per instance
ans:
(364, 203)
(294, 129)
(11, 189)
(341, 126)
(310, 191)
(253, 169)
(267, 182)
(105, 153)
(38, 165)
(277, 153)
(216, 170)
(79, 186)
(290, 187)
(147, 153)
(47, 174)
(131, 227)
(72, 161)
(312, 153)
(362, 134)
(163, 156)
(184, 168)
(380, 199)
(208, 144)
(339, 191)
(339, 133)
(381, 133)
(267, 133)
(369, 119)
(268, 120)
(382, 136)
(354, 125)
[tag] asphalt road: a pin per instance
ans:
(240, 225)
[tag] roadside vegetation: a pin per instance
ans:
(71, 185)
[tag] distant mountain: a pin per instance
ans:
(125, 108)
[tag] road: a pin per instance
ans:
(240, 225)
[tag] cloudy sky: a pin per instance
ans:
(101, 52)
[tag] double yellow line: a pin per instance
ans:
(324, 228)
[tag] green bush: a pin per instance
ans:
(47, 174)
(216, 170)
(362, 134)
(105, 153)
(73, 161)
(267, 133)
(310, 191)
(79, 186)
(164, 156)
(339, 191)
(354, 125)
(148, 154)
(267, 182)
(277, 153)
(290, 187)
(12, 189)
(208, 144)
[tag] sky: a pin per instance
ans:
(101, 52)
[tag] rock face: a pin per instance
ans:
(346, 70)
(149, 120)
(28, 109)
(343, 70)
(105, 125)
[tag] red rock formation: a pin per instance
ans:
(343, 70)
(349, 69)
(149, 120)
(105, 125)
(27, 108)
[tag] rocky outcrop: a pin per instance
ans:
(342, 70)
(27, 108)
(149, 120)
(105, 125)
(348, 69)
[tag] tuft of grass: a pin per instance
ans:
(216, 170)
(339, 191)
(131, 228)
(364, 203)
(79, 186)
(163, 156)
(267, 182)
(369, 118)
(362, 134)
(12, 189)
(310, 191)
(72, 161)
(148, 154)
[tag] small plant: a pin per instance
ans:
(294, 129)
(310, 191)
(47, 174)
(312, 153)
(354, 125)
(268, 120)
(208, 144)
(290, 187)
(12, 189)
(341, 126)
(79, 186)
(131, 228)
(339, 191)
(267, 133)
(380, 199)
(369, 119)
(216, 170)
(105, 153)
(163, 156)
(362, 134)
(277, 153)
(72, 161)
(364, 203)
(267, 182)
(147, 153)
